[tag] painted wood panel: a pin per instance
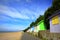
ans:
(41, 25)
(55, 20)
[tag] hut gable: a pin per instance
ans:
(54, 14)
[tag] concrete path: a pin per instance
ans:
(16, 36)
(26, 36)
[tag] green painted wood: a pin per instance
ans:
(41, 25)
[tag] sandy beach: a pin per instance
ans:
(11, 35)
(16, 36)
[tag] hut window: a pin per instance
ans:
(55, 20)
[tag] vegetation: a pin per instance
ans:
(41, 17)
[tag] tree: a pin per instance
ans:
(56, 4)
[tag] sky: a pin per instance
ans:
(16, 15)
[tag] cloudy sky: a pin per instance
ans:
(17, 15)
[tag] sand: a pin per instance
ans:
(17, 36)
(11, 35)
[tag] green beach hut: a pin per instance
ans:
(40, 25)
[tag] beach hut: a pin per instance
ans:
(31, 29)
(55, 22)
(35, 29)
(40, 26)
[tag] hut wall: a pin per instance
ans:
(55, 28)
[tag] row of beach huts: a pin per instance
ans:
(54, 21)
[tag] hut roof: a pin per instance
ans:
(54, 14)
(40, 22)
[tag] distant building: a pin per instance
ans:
(55, 22)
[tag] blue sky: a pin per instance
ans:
(17, 15)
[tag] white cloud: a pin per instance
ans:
(12, 12)
(23, 13)
(32, 14)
